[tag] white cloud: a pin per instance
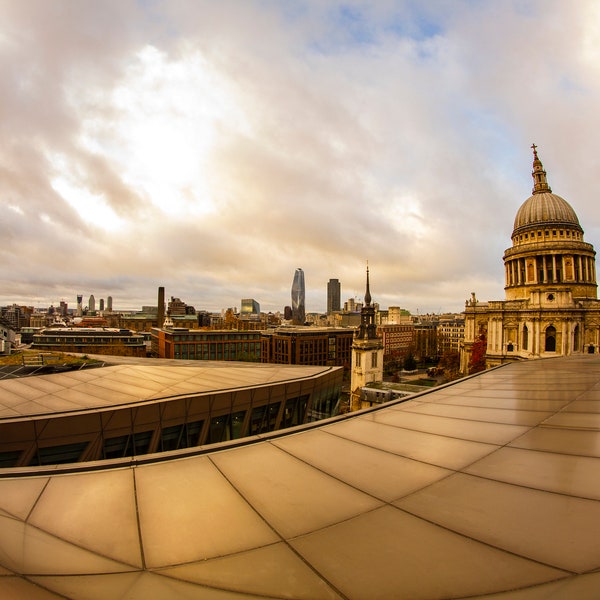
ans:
(214, 147)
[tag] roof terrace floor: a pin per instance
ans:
(488, 487)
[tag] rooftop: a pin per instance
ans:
(134, 382)
(485, 486)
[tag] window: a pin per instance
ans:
(127, 445)
(374, 360)
(11, 458)
(181, 436)
(357, 360)
(550, 345)
(264, 418)
(59, 454)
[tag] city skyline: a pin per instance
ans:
(211, 148)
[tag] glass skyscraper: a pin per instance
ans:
(298, 309)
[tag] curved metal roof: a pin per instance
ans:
(140, 380)
(485, 486)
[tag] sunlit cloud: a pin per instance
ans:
(213, 148)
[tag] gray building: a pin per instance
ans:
(334, 294)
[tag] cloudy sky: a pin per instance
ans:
(214, 147)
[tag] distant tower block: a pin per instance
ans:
(109, 304)
(92, 303)
(334, 295)
(101, 304)
(79, 305)
(298, 294)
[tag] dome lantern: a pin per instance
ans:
(543, 208)
(540, 184)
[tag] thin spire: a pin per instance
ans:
(540, 183)
(368, 292)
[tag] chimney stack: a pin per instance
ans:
(161, 307)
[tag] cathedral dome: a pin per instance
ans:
(543, 208)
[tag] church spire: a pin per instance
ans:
(540, 184)
(368, 292)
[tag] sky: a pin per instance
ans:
(214, 147)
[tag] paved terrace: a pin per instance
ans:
(485, 488)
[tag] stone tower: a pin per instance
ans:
(367, 352)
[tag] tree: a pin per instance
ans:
(450, 362)
(392, 363)
(478, 351)
(410, 364)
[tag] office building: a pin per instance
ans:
(451, 335)
(250, 308)
(397, 339)
(334, 296)
(551, 306)
(398, 315)
(298, 298)
(308, 346)
(178, 307)
(90, 340)
(196, 344)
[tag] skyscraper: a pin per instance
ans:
(334, 295)
(298, 309)
(92, 303)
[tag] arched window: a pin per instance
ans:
(576, 339)
(550, 345)
(525, 344)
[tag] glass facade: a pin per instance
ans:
(187, 406)
(298, 298)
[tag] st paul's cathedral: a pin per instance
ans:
(551, 306)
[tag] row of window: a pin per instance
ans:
(358, 360)
(550, 340)
(561, 233)
(230, 426)
(227, 351)
(54, 339)
(218, 337)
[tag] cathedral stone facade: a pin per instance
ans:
(551, 306)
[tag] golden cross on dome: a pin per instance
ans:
(534, 150)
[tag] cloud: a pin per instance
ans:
(213, 148)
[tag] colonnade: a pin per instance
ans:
(550, 268)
